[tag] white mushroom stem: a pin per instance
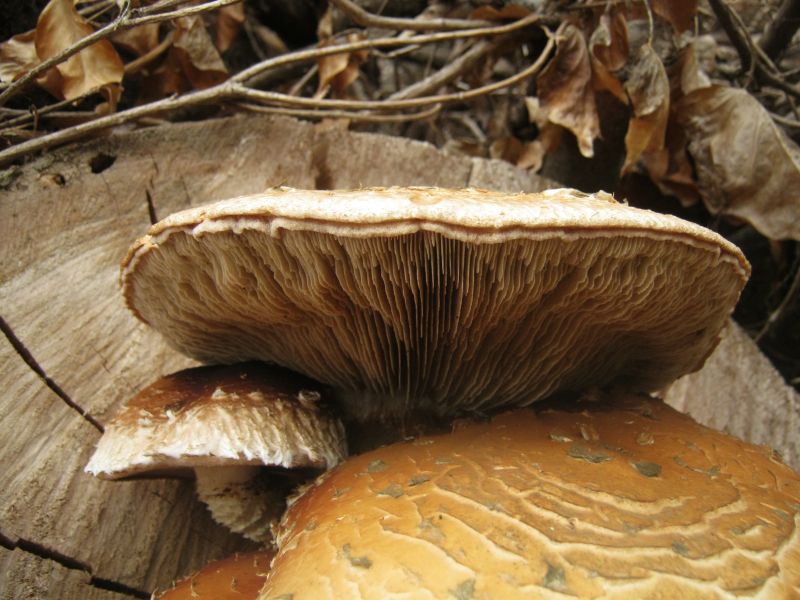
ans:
(242, 499)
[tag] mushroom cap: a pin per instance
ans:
(244, 414)
(237, 577)
(627, 499)
(438, 300)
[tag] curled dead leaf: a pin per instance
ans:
(509, 12)
(338, 71)
(194, 50)
(565, 90)
(679, 13)
(532, 155)
(649, 91)
(138, 40)
(97, 67)
(746, 166)
(608, 51)
(229, 23)
(18, 56)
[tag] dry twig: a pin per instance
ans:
(236, 89)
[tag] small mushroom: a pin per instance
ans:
(419, 302)
(502, 509)
(250, 433)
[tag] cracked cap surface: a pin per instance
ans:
(621, 497)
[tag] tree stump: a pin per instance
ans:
(72, 353)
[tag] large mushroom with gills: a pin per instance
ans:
(422, 303)
(418, 306)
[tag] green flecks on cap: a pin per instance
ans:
(648, 469)
(464, 590)
(557, 437)
(680, 548)
(711, 472)
(394, 490)
(357, 561)
(555, 579)
(376, 466)
(583, 453)
(418, 479)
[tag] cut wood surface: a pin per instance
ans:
(37, 578)
(72, 353)
(739, 391)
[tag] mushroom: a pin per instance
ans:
(614, 496)
(418, 304)
(239, 577)
(224, 425)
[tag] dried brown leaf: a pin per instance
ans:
(648, 90)
(18, 56)
(565, 90)
(229, 23)
(97, 67)
(609, 41)
(196, 53)
(506, 13)
(338, 71)
(746, 166)
(139, 40)
(692, 76)
(609, 51)
(679, 13)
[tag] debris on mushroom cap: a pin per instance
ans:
(527, 506)
(244, 414)
(238, 577)
(225, 424)
(422, 298)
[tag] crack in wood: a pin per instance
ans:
(151, 208)
(26, 356)
(73, 564)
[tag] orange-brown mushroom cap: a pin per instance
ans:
(626, 499)
(237, 577)
(436, 300)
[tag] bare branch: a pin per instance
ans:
(781, 29)
(267, 97)
(447, 73)
(340, 114)
(233, 90)
(367, 19)
(739, 39)
(250, 73)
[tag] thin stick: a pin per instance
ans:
(145, 59)
(367, 19)
(735, 34)
(447, 73)
(135, 21)
(341, 114)
(387, 42)
(400, 104)
(781, 29)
